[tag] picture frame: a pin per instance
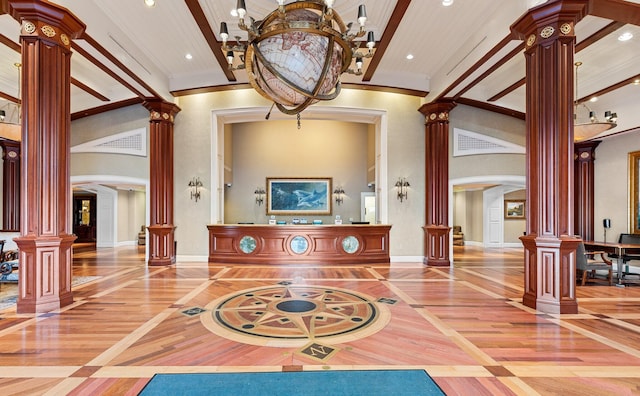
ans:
(634, 192)
(514, 209)
(299, 196)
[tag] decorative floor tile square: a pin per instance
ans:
(193, 311)
(318, 351)
(385, 300)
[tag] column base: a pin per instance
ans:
(550, 274)
(162, 250)
(436, 246)
(45, 273)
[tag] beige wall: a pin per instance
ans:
(490, 124)
(107, 124)
(336, 150)
(611, 189)
(405, 148)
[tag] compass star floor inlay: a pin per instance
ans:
(289, 315)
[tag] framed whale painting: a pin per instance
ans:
(299, 196)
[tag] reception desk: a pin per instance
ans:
(298, 244)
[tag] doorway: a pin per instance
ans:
(368, 207)
(84, 217)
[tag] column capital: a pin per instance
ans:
(549, 21)
(45, 20)
(585, 151)
(161, 110)
(437, 111)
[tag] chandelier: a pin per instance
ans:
(587, 127)
(294, 56)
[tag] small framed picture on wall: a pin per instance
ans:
(514, 209)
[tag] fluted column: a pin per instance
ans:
(161, 230)
(585, 155)
(46, 240)
(436, 229)
(550, 245)
(10, 185)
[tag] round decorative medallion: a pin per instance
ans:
(48, 31)
(165, 116)
(64, 38)
(565, 28)
(547, 32)
(442, 116)
(584, 155)
(350, 244)
(29, 27)
(12, 154)
(247, 244)
(155, 115)
(299, 244)
(432, 116)
(531, 40)
(289, 315)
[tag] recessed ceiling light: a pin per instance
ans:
(625, 36)
(189, 56)
(447, 3)
(636, 82)
(410, 56)
(594, 99)
(150, 3)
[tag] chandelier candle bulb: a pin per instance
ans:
(362, 15)
(224, 32)
(241, 9)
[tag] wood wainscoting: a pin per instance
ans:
(303, 244)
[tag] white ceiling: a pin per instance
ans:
(150, 44)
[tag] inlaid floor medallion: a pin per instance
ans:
(288, 315)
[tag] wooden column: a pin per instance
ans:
(45, 242)
(436, 229)
(10, 185)
(161, 230)
(550, 245)
(585, 155)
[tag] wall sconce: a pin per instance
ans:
(402, 185)
(259, 195)
(194, 184)
(339, 195)
(606, 223)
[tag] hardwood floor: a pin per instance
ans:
(464, 325)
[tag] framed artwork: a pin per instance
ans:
(514, 209)
(634, 192)
(299, 196)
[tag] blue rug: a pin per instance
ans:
(300, 383)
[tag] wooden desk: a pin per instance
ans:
(298, 244)
(618, 248)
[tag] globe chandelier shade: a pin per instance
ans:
(295, 56)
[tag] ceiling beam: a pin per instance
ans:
(616, 10)
(210, 37)
(389, 31)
